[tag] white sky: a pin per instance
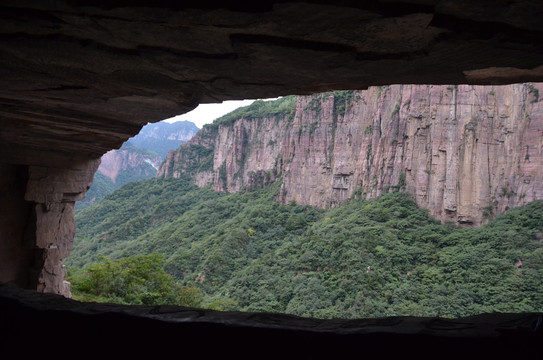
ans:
(206, 113)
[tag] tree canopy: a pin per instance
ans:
(365, 258)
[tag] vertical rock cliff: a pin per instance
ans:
(130, 163)
(119, 167)
(466, 153)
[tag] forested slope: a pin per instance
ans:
(365, 258)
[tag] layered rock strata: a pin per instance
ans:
(38, 223)
(466, 153)
(83, 77)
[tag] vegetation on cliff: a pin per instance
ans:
(284, 106)
(420, 138)
(128, 171)
(365, 258)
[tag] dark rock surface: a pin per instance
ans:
(78, 78)
(106, 330)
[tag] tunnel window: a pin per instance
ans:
(387, 201)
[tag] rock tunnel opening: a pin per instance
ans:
(303, 332)
(319, 146)
(79, 78)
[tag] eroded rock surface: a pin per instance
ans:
(465, 152)
(53, 193)
(83, 79)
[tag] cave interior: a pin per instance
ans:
(81, 77)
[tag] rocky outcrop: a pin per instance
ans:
(37, 218)
(53, 193)
(196, 158)
(465, 152)
(117, 168)
(138, 158)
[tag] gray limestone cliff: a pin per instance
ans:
(466, 153)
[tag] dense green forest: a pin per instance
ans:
(284, 106)
(134, 280)
(365, 258)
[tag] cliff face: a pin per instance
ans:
(119, 167)
(128, 159)
(465, 152)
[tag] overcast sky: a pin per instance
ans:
(206, 113)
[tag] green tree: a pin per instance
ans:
(136, 280)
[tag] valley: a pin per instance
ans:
(395, 201)
(365, 258)
(138, 158)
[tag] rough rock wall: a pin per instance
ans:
(50, 227)
(244, 154)
(465, 152)
(15, 259)
(83, 77)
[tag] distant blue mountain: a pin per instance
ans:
(161, 137)
(138, 158)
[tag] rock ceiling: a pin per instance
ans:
(77, 78)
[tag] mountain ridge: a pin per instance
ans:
(466, 153)
(138, 158)
(163, 136)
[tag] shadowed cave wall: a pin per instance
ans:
(78, 78)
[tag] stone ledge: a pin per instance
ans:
(135, 330)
